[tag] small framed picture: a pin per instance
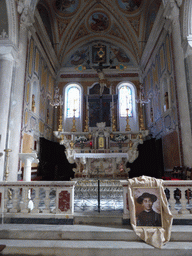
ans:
(147, 207)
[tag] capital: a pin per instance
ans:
(26, 18)
(171, 10)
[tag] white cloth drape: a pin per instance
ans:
(156, 236)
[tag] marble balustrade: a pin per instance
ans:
(179, 195)
(56, 199)
(37, 199)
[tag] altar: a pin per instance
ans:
(101, 153)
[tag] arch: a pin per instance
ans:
(133, 115)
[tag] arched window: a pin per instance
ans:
(125, 100)
(73, 95)
(73, 101)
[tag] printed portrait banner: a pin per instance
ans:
(150, 216)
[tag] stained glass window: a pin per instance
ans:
(73, 101)
(125, 101)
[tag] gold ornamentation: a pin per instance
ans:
(86, 129)
(7, 163)
(72, 144)
(130, 144)
(114, 128)
(74, 121)
(141, 119)
(60, 120)
(127, 120)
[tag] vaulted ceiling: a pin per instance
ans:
(121, 26)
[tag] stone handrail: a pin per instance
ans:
(179, 195)
(37, 200)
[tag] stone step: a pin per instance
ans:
(83, 232)
(92, 248)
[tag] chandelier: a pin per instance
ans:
(141, 100)
(57, 100)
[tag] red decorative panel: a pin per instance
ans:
(64, 201)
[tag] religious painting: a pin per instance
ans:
(129, 5)
(99, 54)
(147, 207)
(118, 54)
(80, 56)
(66, 7)
(98, 21)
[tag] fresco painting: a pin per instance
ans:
(129, 5)
(98, 21)
(67, 7)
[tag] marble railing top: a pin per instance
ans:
(38, 183)
(167, 183)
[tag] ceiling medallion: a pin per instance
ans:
(129, 5)
(98, 21)
(66, 7)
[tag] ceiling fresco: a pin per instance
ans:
(129, 5)
(76, 25)
(87, 56)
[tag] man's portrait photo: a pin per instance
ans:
(147, 206)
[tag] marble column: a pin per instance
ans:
(17, 97)
(28, 159)
(6, 71)
(172, 12)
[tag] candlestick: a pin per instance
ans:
(74, 125)
(127, 120)
(7, 163)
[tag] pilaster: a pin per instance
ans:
(7, 63)
(17, 93)
(172, 13)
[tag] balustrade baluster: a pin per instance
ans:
(15, 200)
(172, 200)
(24, 200)
(47, 200)
(183, 201)
(36, 201)
(6, 199)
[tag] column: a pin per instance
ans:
(28, 159)
(7, 55)
(172, 13)
(17, 96)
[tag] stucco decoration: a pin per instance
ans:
(154, 235)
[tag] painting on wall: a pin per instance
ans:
(98, 21)
(129, 5)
